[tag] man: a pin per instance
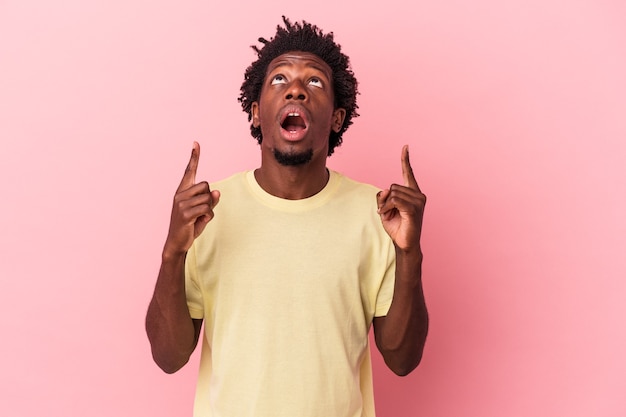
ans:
(296, 262)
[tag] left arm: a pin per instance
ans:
(401, 334)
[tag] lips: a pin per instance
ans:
(293, 122)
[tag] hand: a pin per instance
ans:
(192, 209)
(401, 209)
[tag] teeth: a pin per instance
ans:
(294, 114)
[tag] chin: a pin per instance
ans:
(293, 158)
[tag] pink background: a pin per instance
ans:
(515, 112)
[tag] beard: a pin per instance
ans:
(293, 158)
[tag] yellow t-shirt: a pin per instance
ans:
(288, 290)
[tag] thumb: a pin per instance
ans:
(381, 198)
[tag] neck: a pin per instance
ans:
(292, 182)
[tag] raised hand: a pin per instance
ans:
(192, 209)
(401, 209)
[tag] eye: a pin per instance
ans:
(278, 79)
(316, 82)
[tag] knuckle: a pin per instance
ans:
(179, 204)
(186, 216)
(204, 186)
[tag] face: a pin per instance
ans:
(296, 110)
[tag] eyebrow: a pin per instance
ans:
(287, 63)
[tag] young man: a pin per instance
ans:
(295, 263)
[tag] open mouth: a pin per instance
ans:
(293, 122)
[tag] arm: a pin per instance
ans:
(401, 334)
(173, 334)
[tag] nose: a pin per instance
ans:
(296, 91)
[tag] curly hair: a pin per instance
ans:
(302, 37)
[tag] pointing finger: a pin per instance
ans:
(189, 178)
(407, 171)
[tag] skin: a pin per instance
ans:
(305, 81)
(173, 334)
(401, 334)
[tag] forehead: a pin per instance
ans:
(298, 58)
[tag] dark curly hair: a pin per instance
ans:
(303, 37)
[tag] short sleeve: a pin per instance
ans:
(193, 291)
(385, 292)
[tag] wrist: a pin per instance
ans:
(410, 255)
(172, 255)
(409, 267)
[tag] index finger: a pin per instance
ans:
(189, 178)
(407, 171)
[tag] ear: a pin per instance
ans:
(339, 115)
(255, 114)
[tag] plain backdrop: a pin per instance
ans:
(515, 113)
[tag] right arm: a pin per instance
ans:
(173, 334)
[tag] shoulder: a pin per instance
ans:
(235, 180)
(354, 187)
